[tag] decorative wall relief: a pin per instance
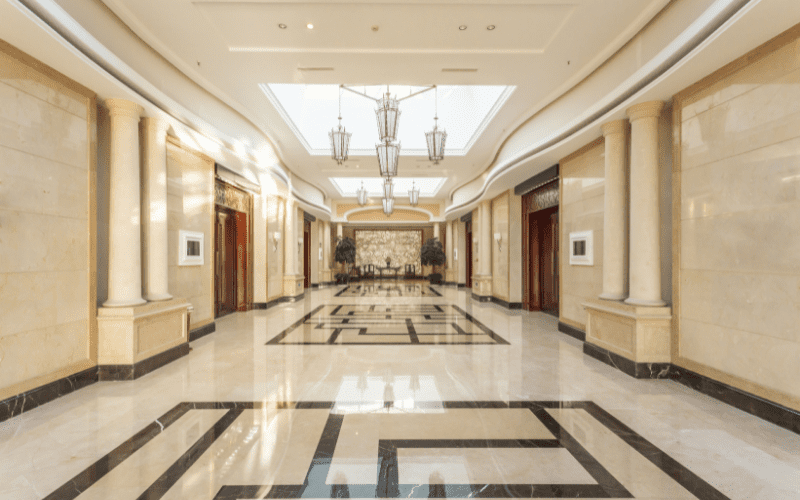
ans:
(374, 247)
(228, 196)
(541, 198)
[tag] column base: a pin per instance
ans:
(124, 303)
(612, 296)
(482, 287)
(293, 286)
(638, 337)
(157, 297)
(645, 303)
(135, 340)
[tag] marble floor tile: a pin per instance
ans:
(516, 411)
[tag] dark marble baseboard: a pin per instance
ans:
(572, 331)
(203, 331)
(506, 304)
(481, 298)
(762, 408)
(296, 298)
(143, 367)
(279, 300)
(462, 285)
(16, 405)
(625, 365)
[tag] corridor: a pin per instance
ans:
(392, 390)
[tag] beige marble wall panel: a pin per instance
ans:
(500, 253)
(316, 262)
(275, 214)
(514, 248)
(581, 209)
(260, 249)
(766, 115)
(190, 207)
(47, 175)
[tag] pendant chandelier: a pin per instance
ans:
(413, 194)
(436, 138)
(388, 188)
(388, 156)
(362, 195)
(340, 138)
(388, 116)
(388, 206)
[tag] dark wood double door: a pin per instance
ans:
(540, 250)
(231, 261)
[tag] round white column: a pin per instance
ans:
(124, 231)
(615, 243)
(645, 228)
(154, 209)
(436, 233)
(290, 248)
(326, 245)
(486, 238)
(339, 230)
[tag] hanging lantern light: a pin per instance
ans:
(413, 194)
(362, 195)
(388, 116)
(340, 138)
(388, 188)
(388, 206)
(388, 155)
(436, 138)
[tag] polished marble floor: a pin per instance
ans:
(243, 417)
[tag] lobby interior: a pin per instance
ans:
(614, 316)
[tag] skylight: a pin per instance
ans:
(428, 186)
(312, 110)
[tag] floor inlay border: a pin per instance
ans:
(387, 483)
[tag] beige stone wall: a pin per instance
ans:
(500, 252)
(737, 223)
(514, 247)
(581, 209)
(260, 248)
(275, 216)
(47, 225)
(316, 262)
(190, 207)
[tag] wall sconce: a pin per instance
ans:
(300, 240)
(498, 237)
(276, 238)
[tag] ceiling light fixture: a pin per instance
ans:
(462, 27)
(340, 138)
(413, 194)
(388, 206)
(436, 138)
(310, 26)
(490, 27)
(388, 188)
(388, 155)
(282, 26)
(362, 195)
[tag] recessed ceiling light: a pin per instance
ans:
(282, 26)
(310, 26)
(462, 27)
(490, 27)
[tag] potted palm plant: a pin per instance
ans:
(432, 254)
(345, 254)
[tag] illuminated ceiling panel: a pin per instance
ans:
(428, 186)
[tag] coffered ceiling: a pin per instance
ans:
(235, 49)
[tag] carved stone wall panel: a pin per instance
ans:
(541, 198)
(230, 197)
(403, 247)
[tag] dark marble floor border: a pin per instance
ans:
(481, 298)
(28, 400)
(202, 331)
(572, 331)
(143, 367)
(762, 408)
(387, 480)
(627, 366)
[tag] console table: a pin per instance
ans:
(395, 270)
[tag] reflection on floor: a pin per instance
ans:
(528, 415)
(402, 324)
(389, 288)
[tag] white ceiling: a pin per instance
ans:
(541, 47)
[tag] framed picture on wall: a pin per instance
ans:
(190, 248)
(581, 248)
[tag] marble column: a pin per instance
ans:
(436, 230)
(326, 250)
(289, 239)
(448, 240)
(615, 241)
(124, 231)
(486, 238)
(339, 230)
(154, 209)
(645, 228)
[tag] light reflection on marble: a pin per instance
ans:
(736, 453)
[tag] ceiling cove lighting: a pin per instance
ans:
(436, 138)
(348, 187)
(413, 194)
(340, 139)
(362, 194)
(388, 206)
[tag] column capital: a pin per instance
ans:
(650, 109)
(615, 127)
(123, 107)
(160, 125)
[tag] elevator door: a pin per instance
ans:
(225, 263)
(543, 261)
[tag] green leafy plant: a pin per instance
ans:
(345, 254)
(432, 254)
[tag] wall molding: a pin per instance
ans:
(572, 331)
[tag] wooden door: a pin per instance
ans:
(307, 254)
(468, 246)
(225, 262)
(242, 231)
(542, 262)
